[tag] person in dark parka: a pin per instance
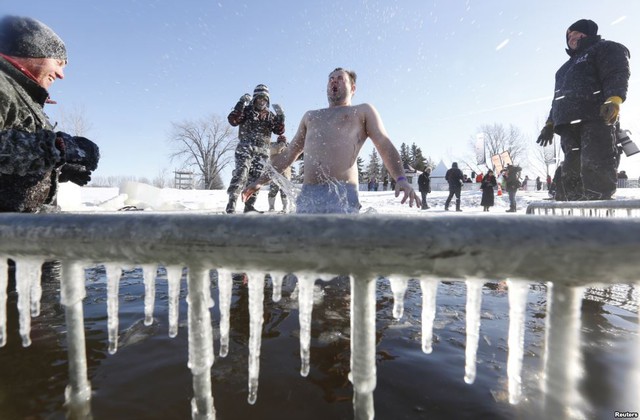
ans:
(589, 89)
(424, 185)
(487, 185)
(455, 178)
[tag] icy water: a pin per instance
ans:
(148, 378)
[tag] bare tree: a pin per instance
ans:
(74, 121)
(498, 139)
(207, 144)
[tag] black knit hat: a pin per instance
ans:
(586, 26)
(27, 37)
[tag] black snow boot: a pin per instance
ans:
(458, 205)
(248, 208)
(231, 205)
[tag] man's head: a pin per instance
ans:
(34, 46)
(261, 97)
(454, 165)
(580, 29)
(341, 86)
(29, 38)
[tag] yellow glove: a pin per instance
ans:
(610, 108)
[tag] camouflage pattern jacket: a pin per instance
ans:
(28, 155)
(256, 126)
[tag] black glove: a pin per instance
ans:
(75, 173)
(279, 113)
(546, 134)
(78, 150)
(242, 102)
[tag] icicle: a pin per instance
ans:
(35, 288)
(276, 280)
(28, 271)
(305, 307)
(225, 286)
(256, 318)
(562, 357)
(363, 345)
(174, 275)
(72, 291)
(149, 272)
(474, 303)
(398, 288)
(429, 289)
(4, 279)
(200, 341)
(114, 272)
(518, 291)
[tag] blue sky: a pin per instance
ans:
(436, 70)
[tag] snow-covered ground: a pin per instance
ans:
(144, 197)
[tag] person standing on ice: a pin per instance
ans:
(331, 139)
(33, 157)
(278, 147)
(455, 178)
(424, 186)
(487, 185)
(257, 123)
(513, 184)
(589, 89)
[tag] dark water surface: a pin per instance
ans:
(148, 377)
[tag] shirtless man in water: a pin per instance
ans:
(331, 139)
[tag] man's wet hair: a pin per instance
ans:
(352, 74)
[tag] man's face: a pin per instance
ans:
(45, 70)
(573, 37)
(260, 103)
(339, 87)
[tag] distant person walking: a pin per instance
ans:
(455, 179)
(257, 123)
(513, 184)
(424, 186)
(589, 89)
(487, 185)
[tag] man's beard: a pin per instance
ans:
(336, 97)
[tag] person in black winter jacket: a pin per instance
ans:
(257, 123)
(487, 185)
(512, 177)
(424, 185)
(455, 178)
(589, 89)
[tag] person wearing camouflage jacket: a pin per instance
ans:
(34, 158)
(257, 123)
(589, 89)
